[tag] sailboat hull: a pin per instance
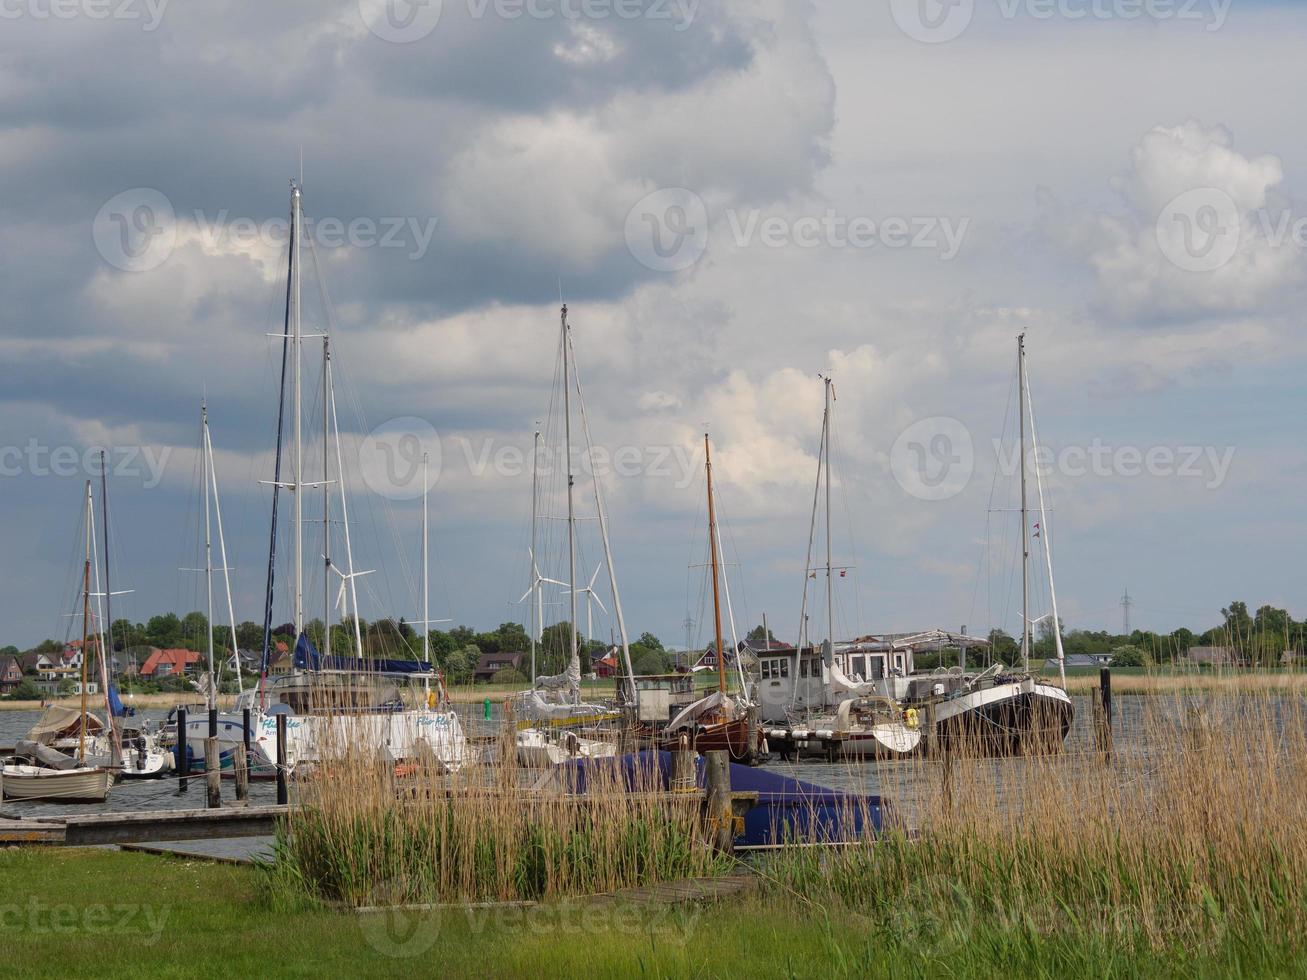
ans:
(737, 737)
(1022, 718)
(64, 785)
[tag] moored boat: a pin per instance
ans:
(83, 784)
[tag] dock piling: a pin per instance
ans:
(212, 772)
(283, 795)
(183, 757)
(1103, 713)
(242, 772)
(721, 813)
(683, 767)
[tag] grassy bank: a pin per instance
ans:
(103, 913)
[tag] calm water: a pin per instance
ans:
(903, 783)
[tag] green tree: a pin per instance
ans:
(650, 642)
(509, 675)
(26, 691)
(1130, 656)
(761, 634)
(460, 663)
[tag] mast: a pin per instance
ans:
(830, 583)
(222, 558)
(426, 575)
(104, 515)
(208, 553)
(326, 515)
(330, 401)
(296, 341)
(537, 608)
(269, 593)
(1025, 518)
(571, 481)
(86, 622)
(1043, 533)
(712, 547)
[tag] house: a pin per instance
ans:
(167, 663)
(1080, 661)
(1213, 656)
(11, 674)
(1293, 658)
(36, 663)
(709, 659)
(70, 678)
(603, 663)
(489, 664)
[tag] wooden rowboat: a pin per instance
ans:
(89, 785)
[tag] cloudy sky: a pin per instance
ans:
(733, 198)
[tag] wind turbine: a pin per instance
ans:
(590, 595)
(538, 580)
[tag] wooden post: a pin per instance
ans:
(213, 772)
(928, 746)
(183, 759)
(683, 768)
(242, 768)
(247, 732)
(721, 816)
(1105, 701)
(946, 754)
(283, 794)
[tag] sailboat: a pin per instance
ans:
(336, 704)
(716, 722)
(555, 725)
(864, 697)
(49, 774)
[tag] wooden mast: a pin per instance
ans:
(86, 619)
(712, 547)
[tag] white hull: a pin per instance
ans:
(395, 736)
(886, 740)
(536, 750)
(36, 783)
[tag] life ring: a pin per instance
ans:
(910, 718)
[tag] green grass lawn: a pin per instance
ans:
(104, 913)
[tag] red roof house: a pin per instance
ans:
(166, 663)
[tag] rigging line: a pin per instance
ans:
(985, 552)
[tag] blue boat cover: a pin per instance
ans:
(308, 658)
(116, 703)
(788, 810)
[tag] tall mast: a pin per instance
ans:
(537, 609)
(351, 575)
(426, 575)
(1043, 533)
(298, 463)
(86, 623)
(222, 559)
(104, 519)
(830, 583)
(208, 552)
(326, 513)
(571, 480)
(712, 547)
(1025, 518)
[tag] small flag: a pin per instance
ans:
(843, 572)
(812, 575)
(1036, 529)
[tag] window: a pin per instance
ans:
(766, 670)
(859, 666)
(785, 667)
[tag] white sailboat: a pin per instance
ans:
(51, 775)
(556, 725)
(338, 704)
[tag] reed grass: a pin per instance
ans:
(1193, 835)
(364, 836)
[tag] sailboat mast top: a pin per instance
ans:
(535, 597)
(712, 547)
(104, 520)
(571, 480)
(426, 575)
(1025, 518)
(298, 438)
(326, 512)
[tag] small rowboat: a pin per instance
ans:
(89, 785)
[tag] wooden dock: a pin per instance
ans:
(86, 829)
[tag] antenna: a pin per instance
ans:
(1126, 604)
